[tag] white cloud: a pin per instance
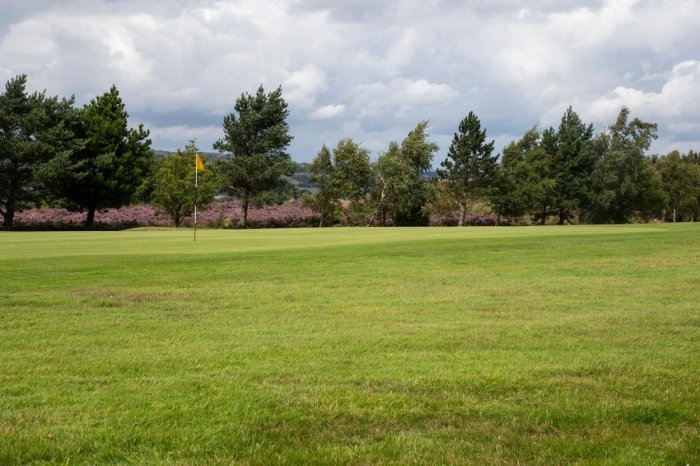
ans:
(182, 64)
(396, 49)
(327, 111)
(676, 100)
(124, 54)
(399, 96)
(302, 86)
(423, 92)
(585, 27)
(665, 145)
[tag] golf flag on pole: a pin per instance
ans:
(198, 167)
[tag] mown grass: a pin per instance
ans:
(552, 345)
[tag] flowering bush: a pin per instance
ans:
(218, 215)
(110, 219)
(226, 215)
(475, 220)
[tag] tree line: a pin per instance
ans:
(560, 175)
(55, 154)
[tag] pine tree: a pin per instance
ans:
(469, 168)
(110, 164)
(572, 163)
(256, 136)
(34, 129)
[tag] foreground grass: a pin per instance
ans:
(552, 345)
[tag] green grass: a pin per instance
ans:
(534, 345)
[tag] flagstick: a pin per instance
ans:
(195, 201)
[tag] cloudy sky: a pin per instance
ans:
(367, 69)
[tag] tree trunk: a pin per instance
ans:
(380, 206)
(462, 213)
(674, 212)
(498, 219)
(90, 220)
(320, 220)
(562, 216)
(8, 218)
(544, 215)
(244, 211)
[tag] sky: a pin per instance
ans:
(367, 69)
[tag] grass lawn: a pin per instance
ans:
(532, 345)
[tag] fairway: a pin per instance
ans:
(482, 345)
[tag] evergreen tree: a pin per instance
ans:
(34, 128)
(256, 136)
(572, 163)
(522, 183)
(547, 174)
(470, 168)
(110, 164)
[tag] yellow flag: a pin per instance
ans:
(199, 166)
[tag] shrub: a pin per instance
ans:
(218, 215)
(291, 214)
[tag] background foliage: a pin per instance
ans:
(54, 155)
